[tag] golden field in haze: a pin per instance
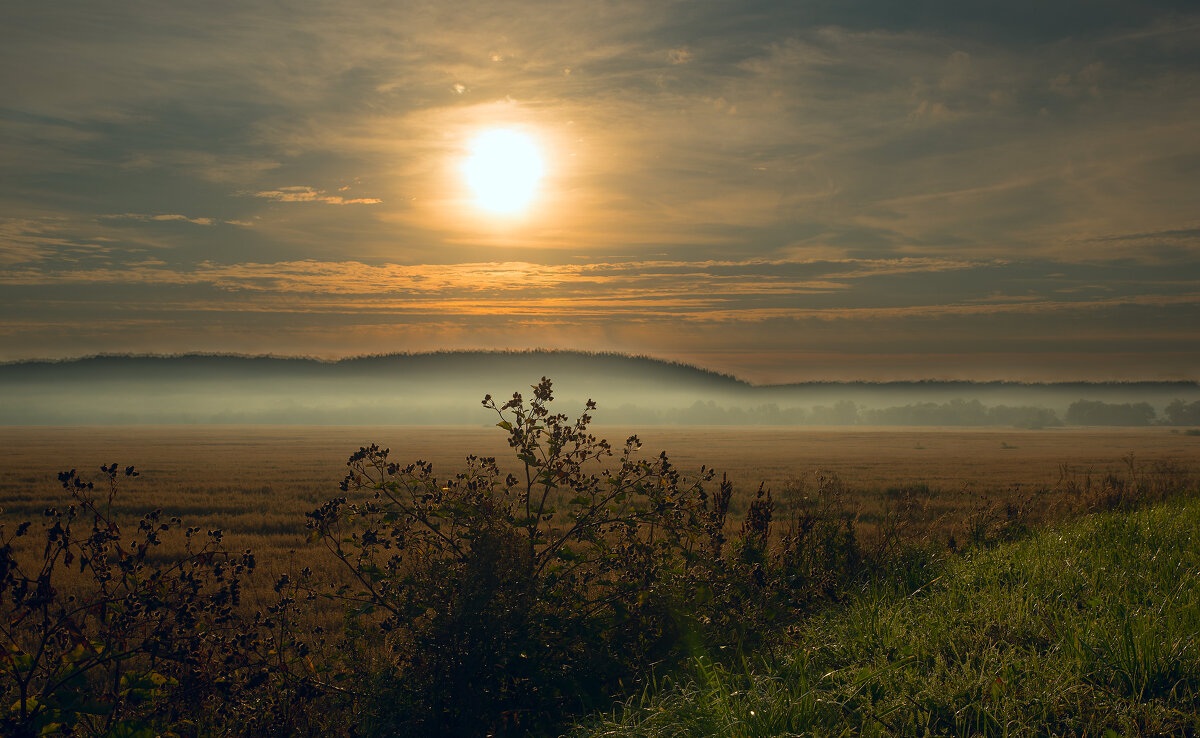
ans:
(257, 482)
(875, 497)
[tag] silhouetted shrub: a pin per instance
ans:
(504, 601)
(488, 602)
(485, 603)
(506, 598)
(773, 572)
(109, 634)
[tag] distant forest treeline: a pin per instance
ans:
(956, 412)
(444, 388)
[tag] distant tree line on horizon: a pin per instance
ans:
(955, 412)
(287, 406)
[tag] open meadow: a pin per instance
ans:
(436, 585)
(257, 482)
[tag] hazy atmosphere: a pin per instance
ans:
(608, 369)
(781, 191)
(446, 389)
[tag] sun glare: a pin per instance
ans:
(503, 171)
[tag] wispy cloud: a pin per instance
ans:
(24, 240)
(750, 291)
(162, 217)
(775, 169)
(50, 239)
(308, 194)
(1178, 234)
(714, 278)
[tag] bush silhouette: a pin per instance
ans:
(489, 602)
(106, 633)
(505, 597)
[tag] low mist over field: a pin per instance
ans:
(518, 369)
(446, 388)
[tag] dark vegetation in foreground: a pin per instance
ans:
(1088, 630)
(500, 604)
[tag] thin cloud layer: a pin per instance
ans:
(163, 217)
(308, 194)
(724, 180)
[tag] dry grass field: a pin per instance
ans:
(256, 483)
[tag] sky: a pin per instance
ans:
(786, 191)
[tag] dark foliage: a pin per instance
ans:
(483, 603)
(104, 634)
(506, 601)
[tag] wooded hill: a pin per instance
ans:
(445, 388)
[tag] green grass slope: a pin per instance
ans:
(1088, 630)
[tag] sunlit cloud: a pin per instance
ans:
(162, 217)
(679, 56)
(24, 240)
(662, 277)
(308, 194)
(942, 172)
(51, 239)
(748, 292)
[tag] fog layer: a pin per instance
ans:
(446, 389)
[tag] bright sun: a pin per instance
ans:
(503, 170)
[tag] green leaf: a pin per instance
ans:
(566, 554)
(131, 729)
(95, 707)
